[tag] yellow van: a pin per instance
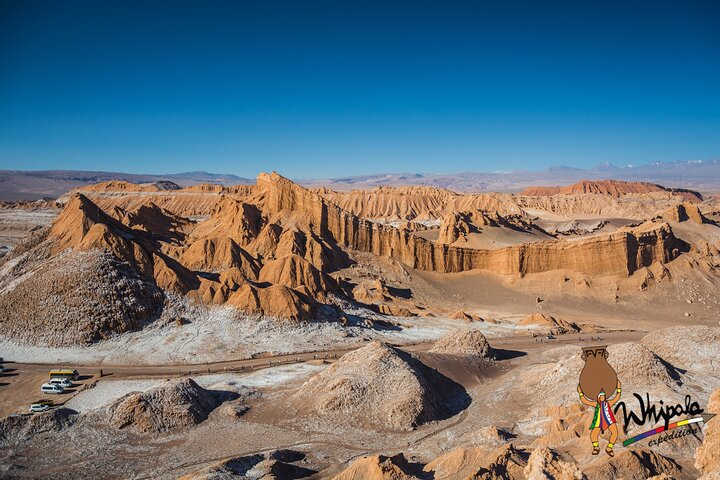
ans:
(72, 374)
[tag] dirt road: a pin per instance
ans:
(20, 385)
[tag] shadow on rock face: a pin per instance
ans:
(277, 464)
(382, 387)
(452, 396)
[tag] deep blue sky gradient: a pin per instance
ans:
(321, 89)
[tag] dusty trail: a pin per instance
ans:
(20, 385)
(524, 343)
(123, 371)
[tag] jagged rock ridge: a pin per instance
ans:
(614, 188)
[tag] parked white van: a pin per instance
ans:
(62, 381)
(51, 388)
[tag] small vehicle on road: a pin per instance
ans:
(59, 373)
(2, 369)
(551, 337)
(52, 388)
(42, 405)
(62, 381)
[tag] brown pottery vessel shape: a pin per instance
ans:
(597, 374)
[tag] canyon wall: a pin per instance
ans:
(618, 253)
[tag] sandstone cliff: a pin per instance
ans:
(83, 226)
(685, 211)
(619, 253)
(614, 188)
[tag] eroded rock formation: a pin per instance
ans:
(463, 342)
(619, 253)
(613, 188)
(166, 408)
(707, 457)
(269, 249)
(377, 385)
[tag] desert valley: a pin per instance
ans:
(272, 330)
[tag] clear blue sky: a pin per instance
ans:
(321, 89)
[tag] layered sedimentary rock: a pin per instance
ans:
(545, 463)
(153, 219)
(555, 325)
(268, 249)
(455, 226)
(294, 271)
(378, 467)
(392, 204)
(83, 226)
(123, 186)
(619, 253)
(479, 462)
(613, 188)
(188, 201)
(635, 463)
(217, 254)
(274, 301)
(395, 204)
(683, 212)
(460, 225)
(232, 218)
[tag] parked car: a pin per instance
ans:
(551, 337)
(62, 381)
(2, 369)
(41, 406)
(52, 388)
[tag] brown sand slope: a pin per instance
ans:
(171, 407)
(379, 386)
(463, 342)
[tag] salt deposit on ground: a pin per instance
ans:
(107, 391)
(219, 335)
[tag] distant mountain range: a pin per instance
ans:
(701, 175)
(32, 185)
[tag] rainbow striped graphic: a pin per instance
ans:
(702, 418)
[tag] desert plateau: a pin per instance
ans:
(277, 331)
